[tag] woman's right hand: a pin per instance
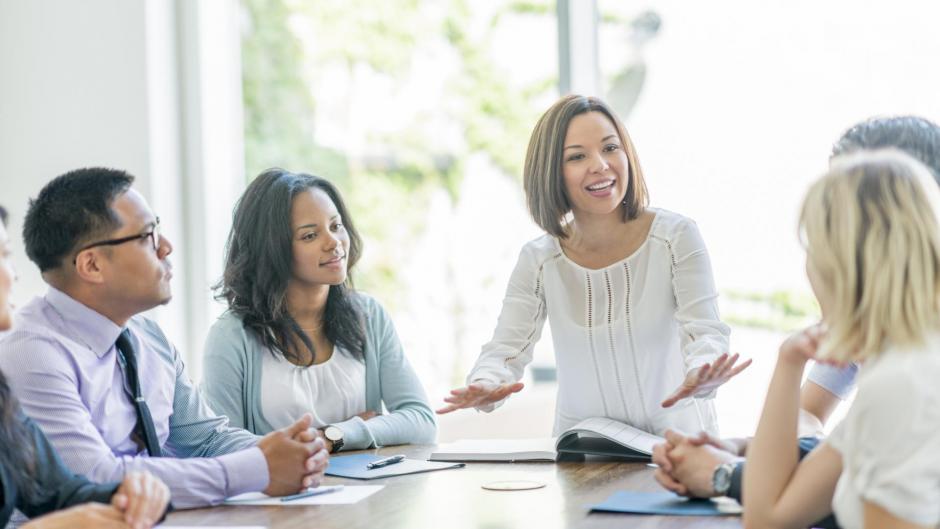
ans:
(478, 394)
(84, 516)
(801, 346)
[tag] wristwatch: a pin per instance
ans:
(721, 479)
(335, 436)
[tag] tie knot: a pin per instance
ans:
(125, 345)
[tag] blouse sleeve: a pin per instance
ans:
(409, 419)
(61, 487)
(704, 336)
(888, 441)
(504, 357)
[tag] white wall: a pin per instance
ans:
(117, 83)
(73, 92)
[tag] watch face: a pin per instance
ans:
(721, 481)
(333, 433)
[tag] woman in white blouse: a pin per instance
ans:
(870, 226)
(627, 289)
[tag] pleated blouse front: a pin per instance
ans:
(624, 335)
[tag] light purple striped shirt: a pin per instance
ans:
(62, 364)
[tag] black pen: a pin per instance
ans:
(385, 462)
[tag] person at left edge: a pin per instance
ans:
(298, 337)
(70, 356)
(34, 480)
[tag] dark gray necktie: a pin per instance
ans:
(144, 419)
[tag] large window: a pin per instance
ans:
(420, 111)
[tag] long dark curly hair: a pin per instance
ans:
(258, 267)
(17, 457)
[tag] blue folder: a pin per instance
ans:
(354, 466)
(662, 503)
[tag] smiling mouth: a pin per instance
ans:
(600, 186)
(333, 260)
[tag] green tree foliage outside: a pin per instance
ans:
(389, 192)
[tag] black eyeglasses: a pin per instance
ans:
(154, 235)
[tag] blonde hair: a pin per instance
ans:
(870, 228)
(543, 181)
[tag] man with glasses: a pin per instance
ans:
(102, 381)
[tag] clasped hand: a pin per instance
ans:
(138, 503)
(296, 457)
(687, 464)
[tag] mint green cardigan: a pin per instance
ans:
(232, 381)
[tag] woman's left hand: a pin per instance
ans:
(707, 377)
(143, 498)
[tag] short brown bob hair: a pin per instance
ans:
(546, 198)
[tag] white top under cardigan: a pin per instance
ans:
(331, 392)
(231, 382)
(625, 335)
(890, 437)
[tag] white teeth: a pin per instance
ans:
(600, 185)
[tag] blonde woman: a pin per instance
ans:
(627, 289)
(870, 226)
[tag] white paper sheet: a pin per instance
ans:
(349, 494)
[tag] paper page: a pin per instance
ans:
(621, 433)
(498, 446)
(213, 527)
(348, 495)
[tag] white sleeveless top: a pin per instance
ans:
(624, 335)
(332, 391)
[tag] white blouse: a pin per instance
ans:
(332, 391)
(890, 439)
(624, 335)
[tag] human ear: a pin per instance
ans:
(88, 266)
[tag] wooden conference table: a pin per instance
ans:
(454, 499)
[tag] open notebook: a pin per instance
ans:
(595, 436)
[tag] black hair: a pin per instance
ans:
(17, 458)
(70, 210)
(258, 259)
(914, 135)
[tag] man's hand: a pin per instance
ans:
(293, 465)
(663, 474)
(142, 497)
(478, 394)
(707, 377)
(685, 467)
(97, 515)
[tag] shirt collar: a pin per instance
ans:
(83, 323)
